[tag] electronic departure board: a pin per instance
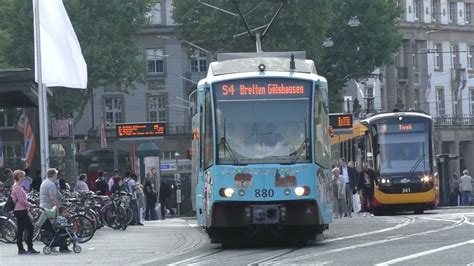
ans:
(140, 130)
(340, 121)
(262, 88)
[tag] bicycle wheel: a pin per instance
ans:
(111, 217)
(35, 212)
(9, 230)
(82, 226)
(129, 216)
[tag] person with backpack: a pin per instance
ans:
(20, 210)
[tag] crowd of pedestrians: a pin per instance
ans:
(352, 189)
(144, 198)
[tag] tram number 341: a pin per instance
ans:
(264, 193)
(406, 190)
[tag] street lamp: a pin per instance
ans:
(177, 180)
(354, 22)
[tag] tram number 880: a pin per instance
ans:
(264, 193)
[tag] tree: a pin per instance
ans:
(107, 32)
(302, 25)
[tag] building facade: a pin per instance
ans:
(434, 72)
(165, 97)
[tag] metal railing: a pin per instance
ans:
(454, 120)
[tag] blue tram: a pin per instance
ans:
(261, 149)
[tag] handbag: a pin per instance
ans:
(356, 202)
(9, 205)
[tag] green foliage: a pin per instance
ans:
(107, 32)
(302, 25)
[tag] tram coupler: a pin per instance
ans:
(265, 214)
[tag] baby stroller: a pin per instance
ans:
(54, 235)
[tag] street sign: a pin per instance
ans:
(135, 130)
(167, 166)
(178, 196)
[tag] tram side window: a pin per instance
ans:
(321, 123)
(208, 135)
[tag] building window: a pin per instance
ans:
(471, 101)
(199, 62)
(113, 109)
(155, 18)
(454, 56)
(467, 13)
(169, 12)
(470, 57)
(415, 55)
(157, 108)
(12, 155)
(418, 9)
(438, 59)
(8, 118)
(440, 107)
(155, 60)
(435, 8)
(452, 7)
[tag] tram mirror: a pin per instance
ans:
(366, 132)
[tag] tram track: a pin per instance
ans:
(406, 221)
(298, 258)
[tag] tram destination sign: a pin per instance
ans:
(341, 122)
(262, 88)
(140, 130)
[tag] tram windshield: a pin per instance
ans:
(263, 129)
(403, 148)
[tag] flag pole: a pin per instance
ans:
(42, 97)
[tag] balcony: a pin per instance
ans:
(454, 121)
(402, 74)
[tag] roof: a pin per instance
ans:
(245, 65)
(395, 114)
(17, 88)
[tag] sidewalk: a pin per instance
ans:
(136, 245)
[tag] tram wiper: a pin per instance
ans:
(298, 152)
(417, 163)
(229, 149)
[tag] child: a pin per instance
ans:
(61, 220)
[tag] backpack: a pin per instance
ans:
(9, 205)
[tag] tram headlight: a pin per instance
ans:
(302, 191)
(299, 191)
(385, 181)
(426, 178)
(226, 192)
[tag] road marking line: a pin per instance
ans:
(439, 219)
(186, 261)
(407, 221)
(424, 253)
(368, 244)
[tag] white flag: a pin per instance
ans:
(62, 63)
